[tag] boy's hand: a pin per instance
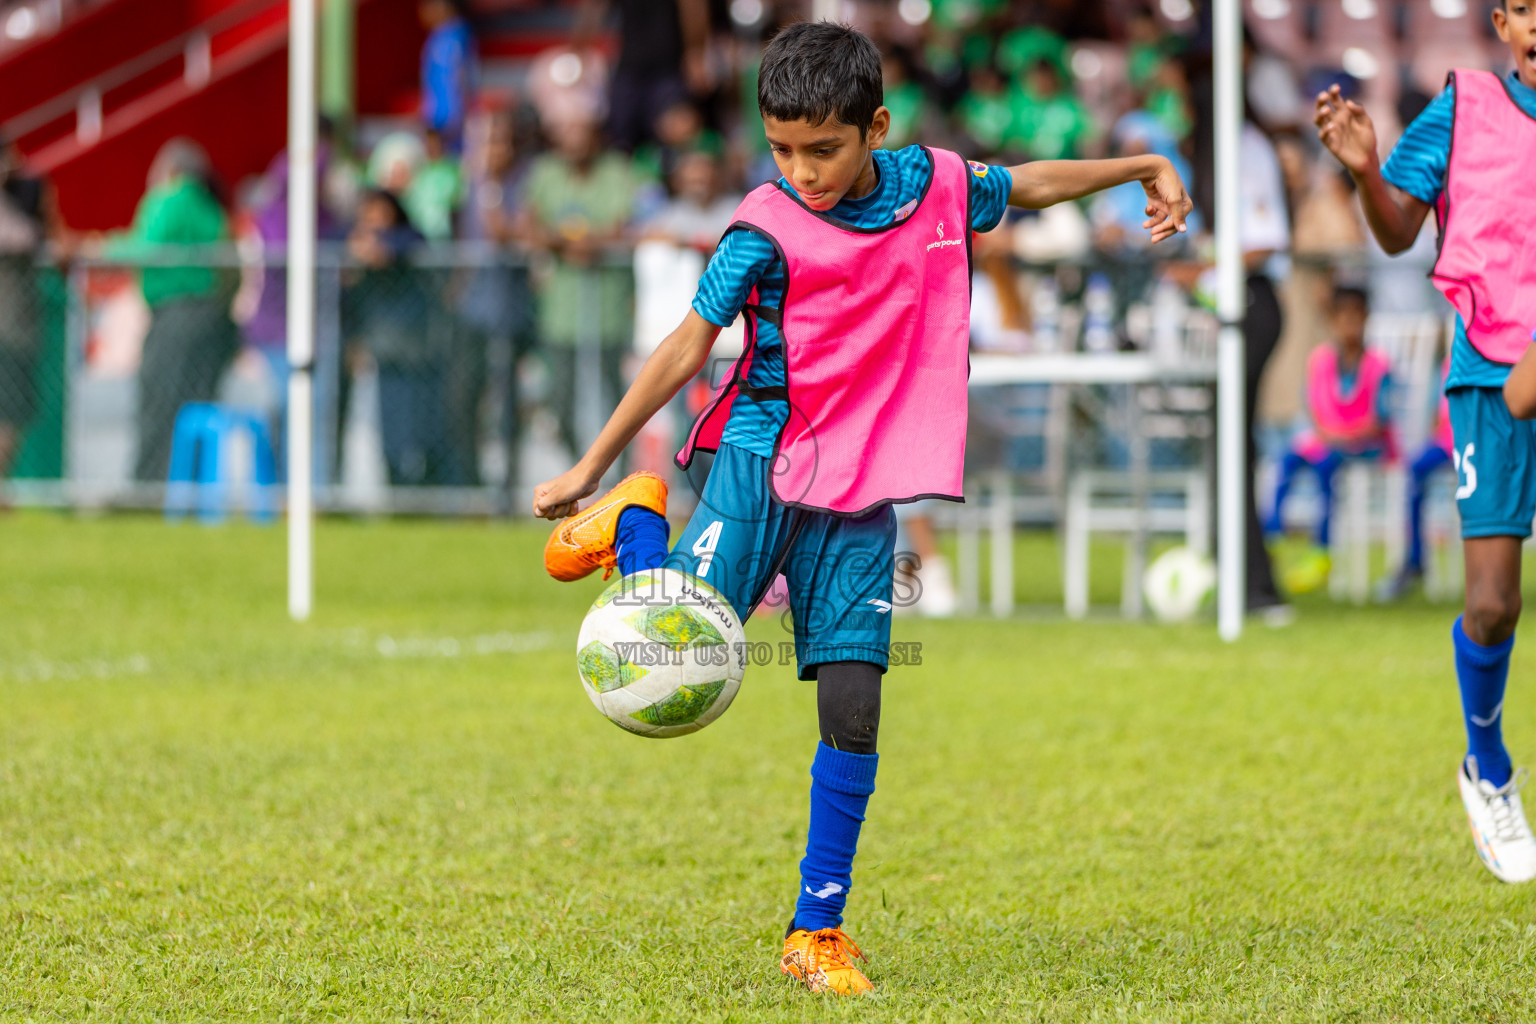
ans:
(1346, 129)
(1167, 203)
(557, 498)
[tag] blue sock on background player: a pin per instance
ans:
(640, 541)
(1482, 673)
(841, 784)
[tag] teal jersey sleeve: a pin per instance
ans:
(990, 186)
(738, 265)
(1418, 162)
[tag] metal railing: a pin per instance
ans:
(193, 48)
(432, 379)
(36, 19)
(440, 387)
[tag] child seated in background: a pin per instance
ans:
(1348, 398)
(1438, 452)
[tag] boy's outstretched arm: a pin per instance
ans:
(1520, 387)
(1048, 182)
(1345, 128)
(672, 365)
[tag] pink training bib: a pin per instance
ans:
(1350, 416)
(1487, 262)
(875, 324)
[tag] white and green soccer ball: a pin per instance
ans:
(1177, 584)
(661, 653)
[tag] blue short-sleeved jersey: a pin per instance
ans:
(1417, 166)
(745, 260)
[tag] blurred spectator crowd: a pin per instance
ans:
(501, 227)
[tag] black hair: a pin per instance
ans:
(388, 198)
(1346, 292)
(460, 9)
(818, 70)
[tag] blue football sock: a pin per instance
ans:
(640, 540)
(840, 787)
(1415, 561)
(1291, 465)
(1326, 472)
(1482, 672)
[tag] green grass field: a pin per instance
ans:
(407, 808)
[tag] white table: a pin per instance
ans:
(1071, 368)
(1130, 368)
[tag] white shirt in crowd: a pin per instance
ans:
(1263, 221)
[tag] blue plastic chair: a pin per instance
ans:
(198, 475)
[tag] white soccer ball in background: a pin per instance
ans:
(661, 653)
(1177, 583)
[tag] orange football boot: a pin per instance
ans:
(584, 543)
(823, 960)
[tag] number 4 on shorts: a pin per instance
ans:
(704, 548)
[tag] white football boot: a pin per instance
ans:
(938, 599)
(1499, 829)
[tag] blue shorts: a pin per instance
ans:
(840, 570)
(1495, 457)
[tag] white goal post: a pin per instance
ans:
(301, 305)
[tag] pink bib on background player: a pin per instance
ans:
(1345, 422)
(1487, 261)
(1350, 416)
(875, 325)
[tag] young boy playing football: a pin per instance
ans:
(853, 270)
(1478, 187)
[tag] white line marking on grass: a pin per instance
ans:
(453, 647)
(41, 670)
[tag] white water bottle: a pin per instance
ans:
(1098, 315)
(1047, 318)
(1169, 311)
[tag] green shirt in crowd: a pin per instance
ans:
(965, 13)
(584, 302)
(1051, 127)
(178, 212)
(989, 119)
(433, 197)
(1020, 49)
(648, 160)
(1171, 111)
(906, 102)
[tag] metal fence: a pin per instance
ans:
(452, 381)
(33, 305)
(437, 387)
